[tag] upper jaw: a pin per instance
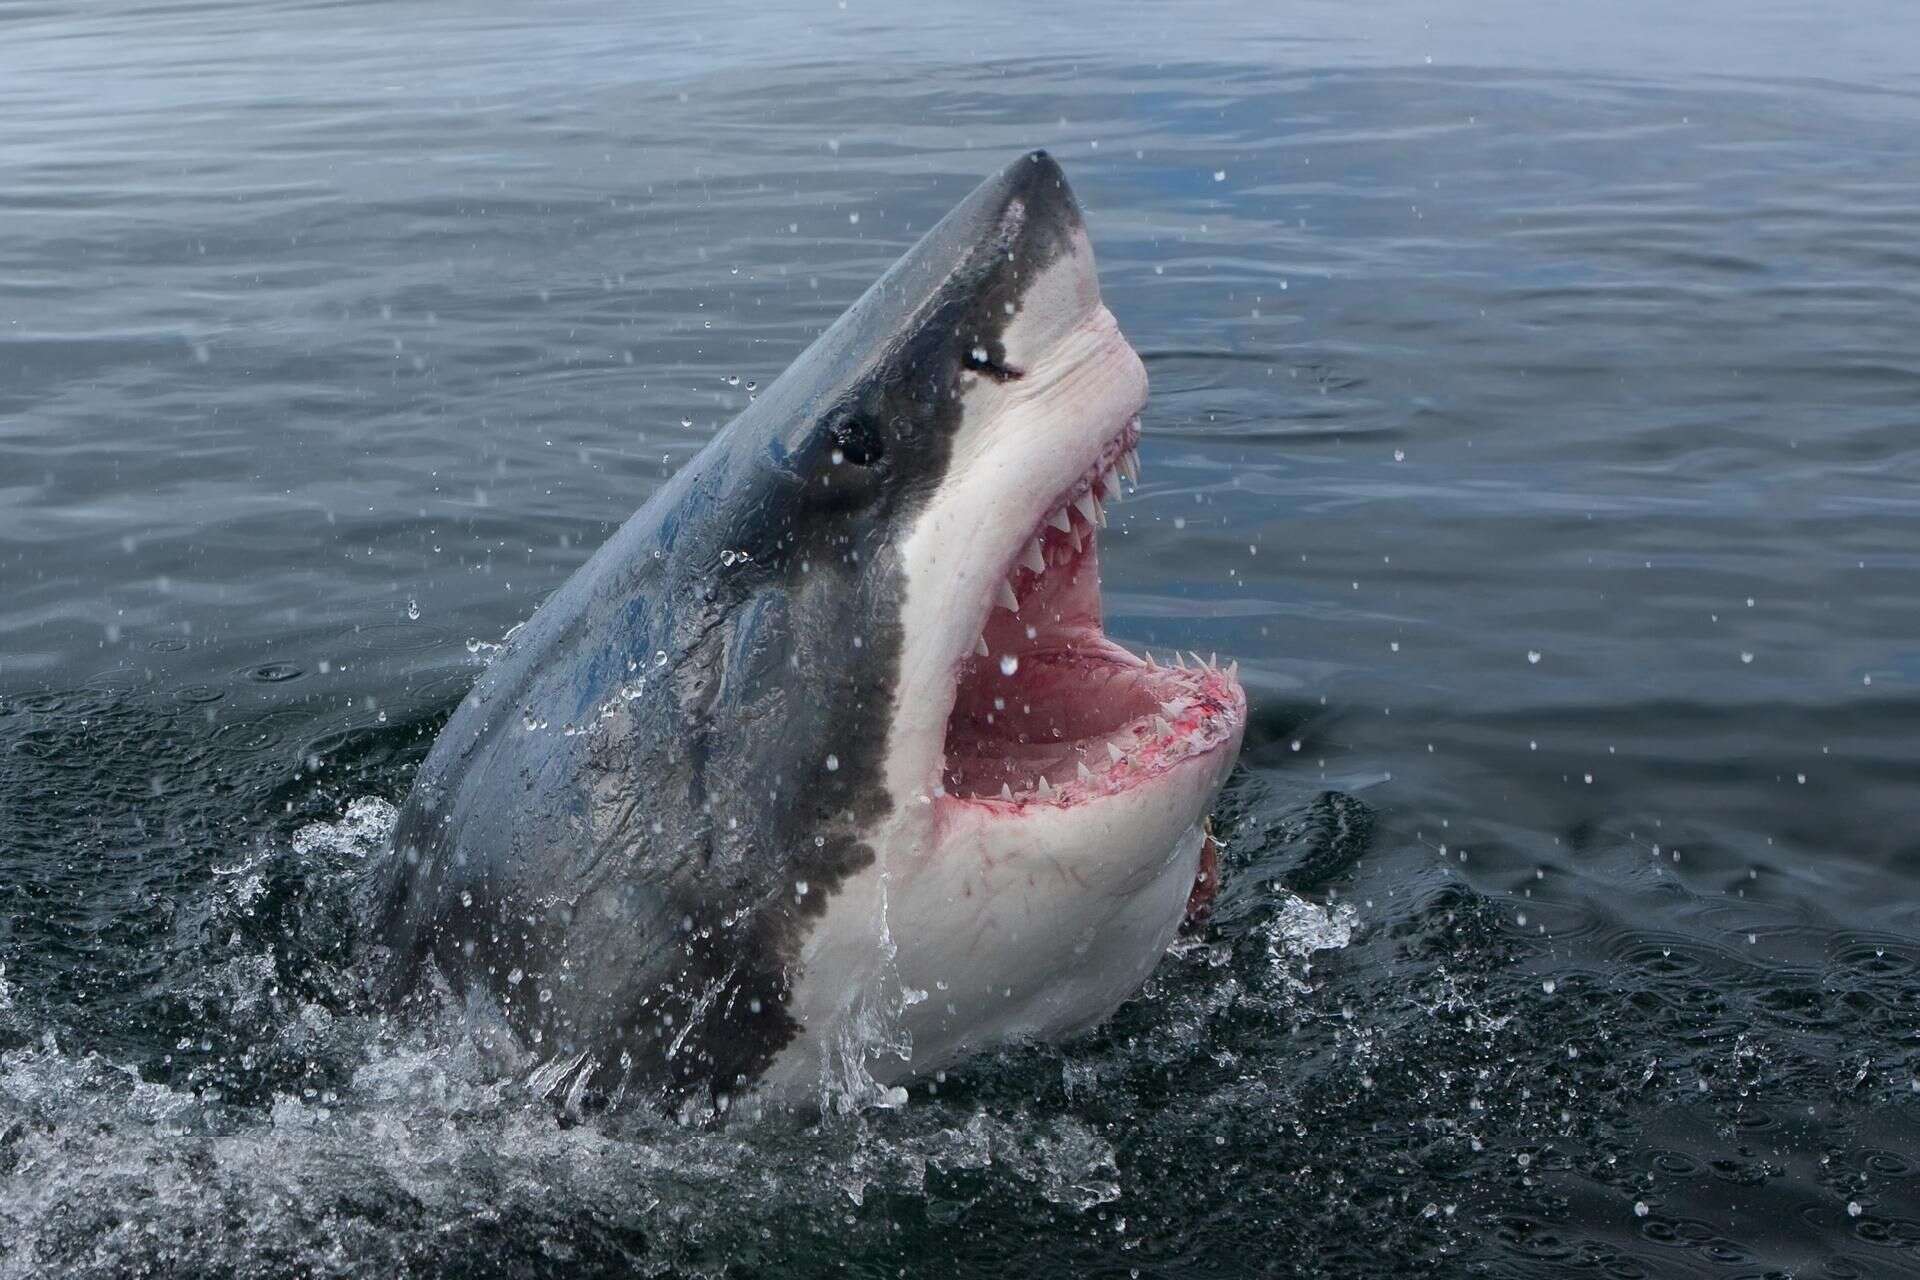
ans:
(1045, 708)
(1021, 450)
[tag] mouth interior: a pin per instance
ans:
(1048, 709)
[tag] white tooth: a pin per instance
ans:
(1161, 727)
(1116, 753)
(1086, 774)
(1151, 664)
(1086, 505)
(1045, 789)
(1006, 792)
(1196, 658)
(1130, 466)
(1099, 514)
(1233, 669)
(980, 646)
(1213, 662)
(1006, 599)
(1078, 543)
(1177, 658)
(1170, 708)
(1032, 558)
(1060, 521)
(1111, 485)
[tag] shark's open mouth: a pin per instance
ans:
(1048, 709)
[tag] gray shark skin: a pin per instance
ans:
(607, 836)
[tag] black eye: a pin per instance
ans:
(981, 361)
(856, 440)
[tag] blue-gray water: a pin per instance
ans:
(1536, 416)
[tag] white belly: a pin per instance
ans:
(972, 930)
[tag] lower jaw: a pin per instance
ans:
(1084, 721)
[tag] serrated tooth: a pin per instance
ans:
(1151, 664)
(1161, 728)
(1182, 662)
(1116, 754)
(1006, 792)
(980, 646)
(1196, 658)
(1080, 767)
(1078, 543)
(1233, 669)
(1111, 483)
(1099, 513)
(1006, 599)
(1032, 557)
(1045, 789)
(1060, 521)
(1087, 505)
(1213, 661)
(1130, 466)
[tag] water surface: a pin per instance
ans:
(1534, 416)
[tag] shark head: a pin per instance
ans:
(823, 772)
(1045, 789)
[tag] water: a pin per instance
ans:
(1534, 416)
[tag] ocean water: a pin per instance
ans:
(1536, 417)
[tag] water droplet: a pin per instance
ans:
(1008, 664)
(1533, 657)
(413, 610)
(833, 764)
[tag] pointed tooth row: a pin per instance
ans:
(1033, 557)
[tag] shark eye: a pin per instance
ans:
(857, 440)
(980, 361)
